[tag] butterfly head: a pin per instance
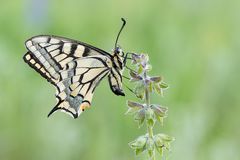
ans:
(118, 52)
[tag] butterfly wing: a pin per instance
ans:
(115, 81)
(48, 55)
(78, 82)
(73, 67)
(38, 66)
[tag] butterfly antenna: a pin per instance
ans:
(124, 22)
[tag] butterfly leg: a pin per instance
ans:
(125, 59)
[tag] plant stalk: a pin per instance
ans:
(147, 101)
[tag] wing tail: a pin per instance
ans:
(65, 106)
(70, 100)
(75, 90)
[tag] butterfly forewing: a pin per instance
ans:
(53, 53)
(38, 66)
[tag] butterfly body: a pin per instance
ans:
(75, 69)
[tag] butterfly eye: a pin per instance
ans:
(119, 51)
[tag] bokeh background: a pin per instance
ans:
(193, 44)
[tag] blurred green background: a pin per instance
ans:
(193, 44)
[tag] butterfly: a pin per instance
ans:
(75, 69)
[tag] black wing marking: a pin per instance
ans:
(37, 66)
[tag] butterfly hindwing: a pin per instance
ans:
(78, 82)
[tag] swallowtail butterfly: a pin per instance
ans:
(75, 69)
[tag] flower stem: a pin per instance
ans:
(147, 101)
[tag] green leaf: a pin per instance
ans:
(138, 151)
(150, 87)
(157, 88)
(150, 122)
(140, 69)
(163, 85)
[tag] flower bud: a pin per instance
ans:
(140, 116)
(150, 146)
(150, 117)
(162, 141)
(159, 111)
(139, 89)
(139, 143)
